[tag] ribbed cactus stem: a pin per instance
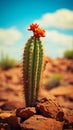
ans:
(32, 67)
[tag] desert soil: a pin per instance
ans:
(46, 115)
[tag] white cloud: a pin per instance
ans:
(55, 43)
(9, 35)
(58, 38)
(62, 18)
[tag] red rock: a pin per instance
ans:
(38, 122)
(25, 112)
(49, 107)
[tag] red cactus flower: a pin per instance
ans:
(33, 27)
(39, 32)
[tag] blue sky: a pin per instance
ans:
(55, 16)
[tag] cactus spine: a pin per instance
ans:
(32, 66)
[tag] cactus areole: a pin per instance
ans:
(32, 65)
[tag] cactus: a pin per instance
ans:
(32, 65)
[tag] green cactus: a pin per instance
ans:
(32, 67)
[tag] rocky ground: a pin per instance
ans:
(54, 111)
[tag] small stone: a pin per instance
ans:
(49, 107)
(25, 112)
